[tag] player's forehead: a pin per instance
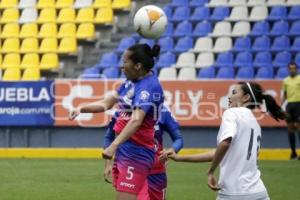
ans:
(237, 88)
(126, 55)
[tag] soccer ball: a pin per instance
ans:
(150, 22)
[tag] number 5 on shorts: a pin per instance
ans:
(129, 173)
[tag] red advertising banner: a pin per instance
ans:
(193, 103)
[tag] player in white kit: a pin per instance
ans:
(238, 142)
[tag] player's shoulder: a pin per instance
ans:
(235, 111)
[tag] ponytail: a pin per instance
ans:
(273, 108)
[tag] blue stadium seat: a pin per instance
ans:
(177, 3)
(200, 13)
(243, 59)
(202, 29)
(262, 43)
(265, 73)
(282, 73)
(169, 30)
(219, 13)
(282, 59)
(242, 44)
(260, 28)
(166, 60)
(296, 44)
(225, 73)
(294, 13)
(166, 44)
(168, 11)
(90, 73)
(224, 60)
(245, 73)
(295, 28)
(181, 14)
(109, 60)
(278, 13)
(124, 44)
(112, 72)
(147, 41)
(280, 28)
(206, 72)
(182, 29)
(198, 3)
(183, 44)
(281, 43)
(263, 59)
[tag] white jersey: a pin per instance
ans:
(239, 174)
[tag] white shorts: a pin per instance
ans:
(256, 196)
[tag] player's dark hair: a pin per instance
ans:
(143, 53)
(292, 63)
(255, 89)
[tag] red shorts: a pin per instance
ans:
(150, 193)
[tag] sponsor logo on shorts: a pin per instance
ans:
(127, 185)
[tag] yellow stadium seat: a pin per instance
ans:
(66, 15)
(31, 74)
(48, 45)
(121, 4)
(10, 30)
(12, 74)
(104, 16)
(11, 60)
(29, 30)
(30, 60)
(48, 30)
(64, 3)
(68, 45)
(67, 30)
(102, 3)
(10, 15)
(29, 45)
(45, 4)
(47, 15)
(11, 45)
(0, 61)
(49, 61)
(86, 31)
(8, 4)
(85, 15)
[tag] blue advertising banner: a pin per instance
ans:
(27, 103)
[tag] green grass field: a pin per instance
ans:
(45, 179)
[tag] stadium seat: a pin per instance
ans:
(203, 44)
(10, 15)
(31, 74)
(225, 73)
(219, 13)
(67, 30)
(278, 13)
(282, 59)
(104, 16)
(202, 29)
(86, 31)
(206, 73)
(280, 28)
(29, 30)
(68, 45)
(217, 3)
(121, 4)
(234, 3)
(242, 44)
(265, 73)
(166, 44)
(205, 59)
(221, 29)
(169, 30)
(64, 4)
(297, 59)
(281, 43)
(10, 30)
(296, 45)
(260, 28)
(45, 4)
(49, 61)
(28, 15)
(178, 3)
(90, 73)
(48, 45)
(241, 29)
(238, 13)
(186, 59)
(102, 4)
(83, 3)
(197, 3)
(276, 3)
(110, 72)
(245, 73)
(184, 28)
(108, 60)
(47, 15)
(243, 59)
(258, 13)
(124, 44)
(295, 28)
(66, 15)
(168, 11)
(30, 60)
(262, 43)
(48, 30)
(223, 44)
(11, 60)
(181, 14)
(200, 13)
(183, 44)
(166, 60)
(224, 60)
(11, 45)
(13, 74)
(187, 74)
(292, 2)
(282, 73)
(168, 73)
(8, 4)
(294, 13)
(263, 59)
(85, 15)
(256, 2)
(150, 42)
(29, 45)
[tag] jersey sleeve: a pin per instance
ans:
(145, 99)
(228, 126)
(121, 88)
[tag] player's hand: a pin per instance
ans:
(212, 182)
(108, 171)
(164, 154)
(173, 156)
(109, 152)
(73, 114)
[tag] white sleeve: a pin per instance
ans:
(228, 126)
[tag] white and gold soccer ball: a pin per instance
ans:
(150, 21)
